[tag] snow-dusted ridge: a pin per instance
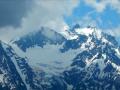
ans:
(85, 58)
(83, 31)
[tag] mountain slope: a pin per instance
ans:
(90, 61)
(96, 68)
(10, 78)
(15, 74)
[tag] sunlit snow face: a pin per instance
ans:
(86, 31)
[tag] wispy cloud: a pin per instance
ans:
(115, 31)
(43, 13)
(50, 13)
(101, 5)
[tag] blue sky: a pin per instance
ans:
(109, 18)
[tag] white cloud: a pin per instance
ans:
(115, 32)
(98, 6)
(44, 13)
(87, 20)
(102, 4)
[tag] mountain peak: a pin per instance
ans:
(77, 30)
(39, 38)
(92, 57)
(75, 27)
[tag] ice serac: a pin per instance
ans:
(90, 61)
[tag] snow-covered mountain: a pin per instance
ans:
(76, 59)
